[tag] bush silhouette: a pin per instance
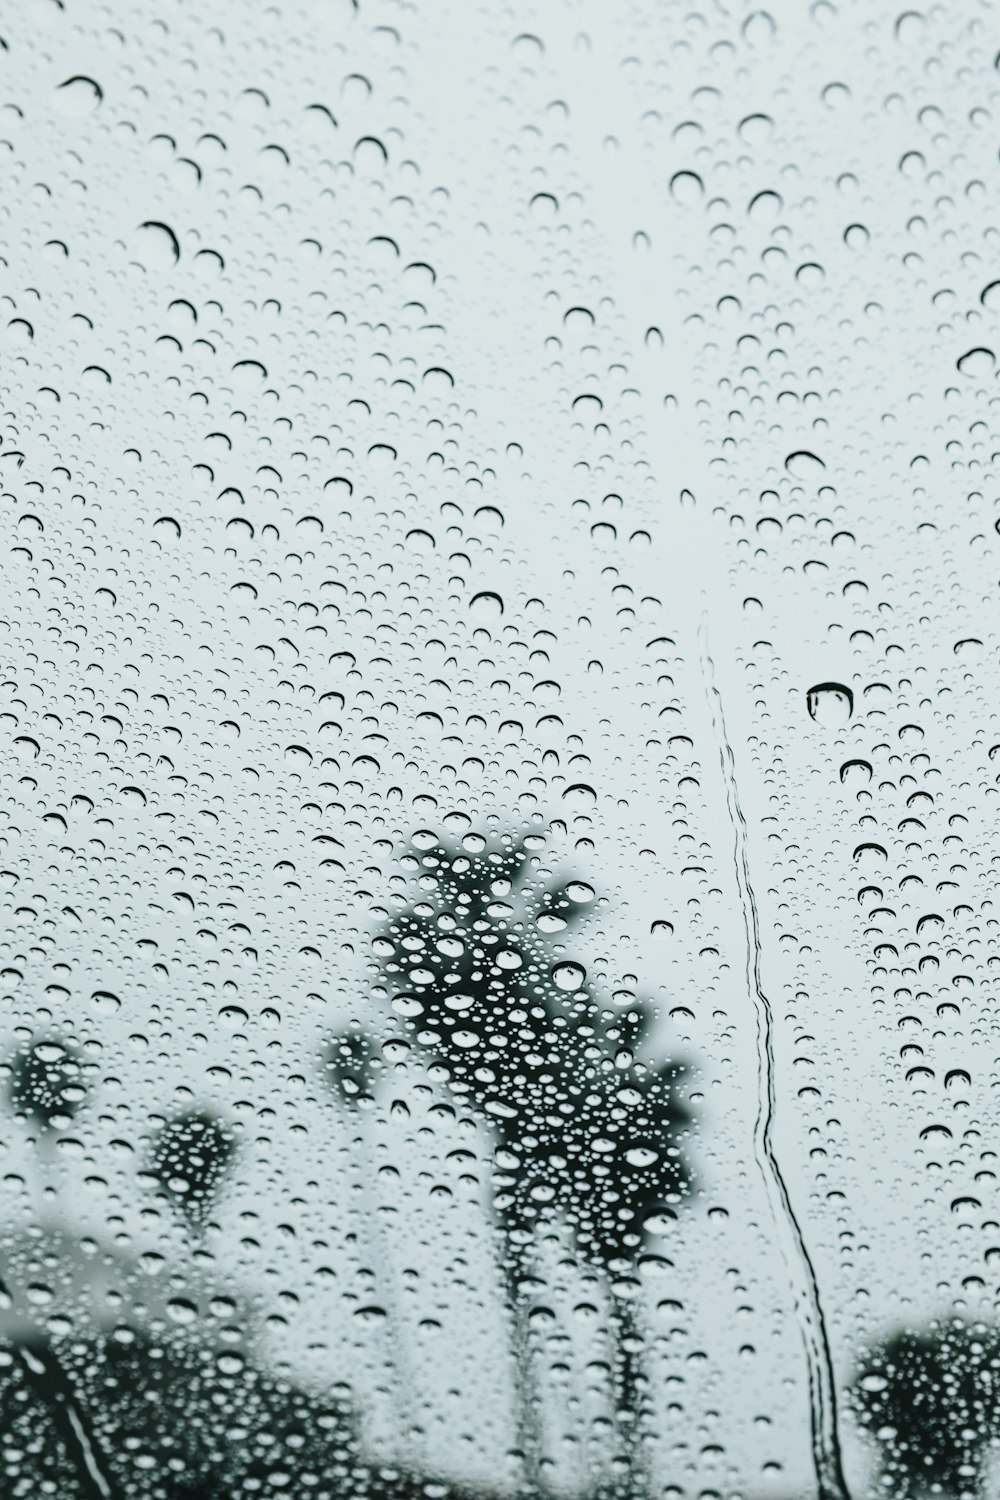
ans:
(169, 1421)
(931, 1399)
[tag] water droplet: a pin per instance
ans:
(78, 96)
(156, 246)
(486, 606)
(830, 704)
(568, 976)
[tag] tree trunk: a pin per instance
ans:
(628, 1399)
(527, 1405)
(395, 1351)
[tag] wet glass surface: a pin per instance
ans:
(498, 600)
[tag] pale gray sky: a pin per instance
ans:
(640, 318)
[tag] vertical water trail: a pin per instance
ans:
(830, 1482)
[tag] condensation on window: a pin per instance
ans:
(498, 591)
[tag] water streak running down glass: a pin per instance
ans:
(498, 714)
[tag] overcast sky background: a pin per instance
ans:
(566, 356)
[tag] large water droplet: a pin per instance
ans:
(157, 247)
(830, 704)
(568, 976)
(78, 96)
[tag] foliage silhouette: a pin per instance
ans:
(191, 1154)
(46, 1083)
(931, 1398)
(48, 1439)
(174, 1421)
(121, 1416)
(586, 1131)
(165, 1421)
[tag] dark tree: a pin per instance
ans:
(191, 1154)
(49, 1439)
(931, 1399)
(586, 1130)
(178, 1420)
(169, 1421)
(47, 1083)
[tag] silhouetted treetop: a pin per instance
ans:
(477, 970)
(189, 1158)
(931, 1397)
(47, 1083)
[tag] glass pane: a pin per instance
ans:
(499, 593)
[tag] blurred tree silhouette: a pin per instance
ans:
(121, 1416)
(50, 1445)
(169, 1421)
(46, 1087)
(176, 1420)
(931, 1399)
(587, 1133)
(46, 1083)
(190, 1156)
